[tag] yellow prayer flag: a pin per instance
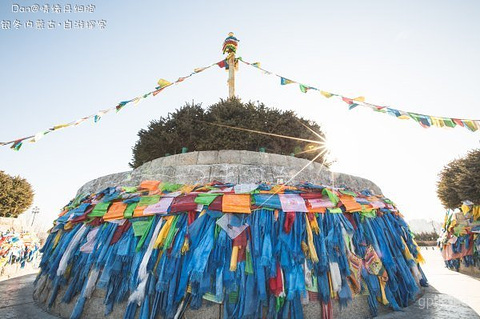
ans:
(438, 122)
(326, 94)
(163, 83)
(57, 127)
(359, 99)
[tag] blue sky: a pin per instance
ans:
(420, 57)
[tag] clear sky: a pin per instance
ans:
(419, 56)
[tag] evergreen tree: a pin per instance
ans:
(191, 127)
(459, 181)
(16, 195)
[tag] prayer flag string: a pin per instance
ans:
(162, 84)
(424, 120)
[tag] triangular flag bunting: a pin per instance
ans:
(304, 88)
(424, 121)
(393, 112)
(99, 115)
(471, 125)
(359, 99)
(121, 105)
(404, 115)
(162, 83)
(198, 70)
(448, 122)
(60, 126)
(326, 94)
(17, 145)
(284, 81)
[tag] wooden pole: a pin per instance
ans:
(230, 47)
(231, 75)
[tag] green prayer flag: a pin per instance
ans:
(304, 88)
(233, 297)
(347, 192)
(414, 116)
(248, 263)
(140, 227)
(100, 209)
(132, 189)
(314, 286)
(449, 122)
(369, 214)
(205, 198)
(128, 213)
(169, 187)
(171, 234)
(149, 200)
(366, 210)
(279, 301)
(386, 200)
(213, 298)
(335, 210)
(333, 198)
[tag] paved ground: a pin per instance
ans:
(441, 300)
(16, 300)
(463, 287)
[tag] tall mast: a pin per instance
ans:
(230, 47)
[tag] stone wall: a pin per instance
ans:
(230, 166)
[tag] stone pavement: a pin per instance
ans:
(463, 287)
(434, 304)
(441, 300)
(450, 295)
(16, 300)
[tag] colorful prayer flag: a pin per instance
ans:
(285, 81)
(17, 145)
(162, 83)
(471, 125)
(326, 94)
(121, 105)
(304, 88)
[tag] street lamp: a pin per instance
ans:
(35, 211)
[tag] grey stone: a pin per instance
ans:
(228, 157)
(230, 166)
(225, 173)
(207, 157)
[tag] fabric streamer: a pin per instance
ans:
(258, 254)
(459, 241)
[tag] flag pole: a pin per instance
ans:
(230, 47)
